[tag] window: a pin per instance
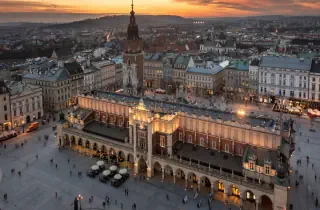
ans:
(226, 148)
(5, 108)
(120, 123)
(4, 98)
(180, 136)
(201, 142)
(251, 165)
(190, 139)
(5, 117)
(162, 141)
(14, 112)
(21, 113)
(214, 146)
(313, 87)
(267, 170)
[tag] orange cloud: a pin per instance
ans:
(186, 8)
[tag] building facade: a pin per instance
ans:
(283, 78)
(236, 79)
(133, 53)
(60, 82)
(153, 70)
(5, 115)
(25, 104)
(219, 154)
(314, 84)
(253, 79)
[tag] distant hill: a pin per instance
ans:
(123, 20)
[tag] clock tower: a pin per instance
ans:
(132, 56)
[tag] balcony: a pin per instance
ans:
(174, 160)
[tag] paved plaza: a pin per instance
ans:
(40, 179)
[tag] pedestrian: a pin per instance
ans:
(70, 173)
(19, 173)
(5, 196)
(5, 146)
(167, 196)
(134, 205)
(56, 194)
(68, 160)
(312, 165)
(317, 201)
(104, 204)
(91, 197)
(74, 165)
(37, 157)
(56, 165)
(308, 140)
(315, 177)
(121, 205)
(115, 201)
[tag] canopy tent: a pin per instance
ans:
(117, 176)
(113, 168)
(123, 171)
(95, 167)
(100, 163)
(106, 173)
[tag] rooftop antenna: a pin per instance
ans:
(132, 5)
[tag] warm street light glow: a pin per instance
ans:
(80, 197)
(241, 112)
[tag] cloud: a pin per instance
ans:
(263, 7)
(33, 5)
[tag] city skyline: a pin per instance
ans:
(184, 8)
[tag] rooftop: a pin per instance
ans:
(191, 110)
(315, 67)
(286, 63)
(208, 156)
(107, 131)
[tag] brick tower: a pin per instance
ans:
(133, 54)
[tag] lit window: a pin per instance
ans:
(251, 165)
(162, 141)
(201, 141)
(190, 139)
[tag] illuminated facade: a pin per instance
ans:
(236, 156)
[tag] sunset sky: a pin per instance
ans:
(185, 8)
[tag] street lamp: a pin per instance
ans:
(79, 198)
(22, 123)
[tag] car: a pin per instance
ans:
(91, 173)
(103, 179)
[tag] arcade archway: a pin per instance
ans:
(265, 203)
(249, 200)
(142, 166)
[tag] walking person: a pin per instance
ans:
(121, 205)
(56, 194)
(56, 165)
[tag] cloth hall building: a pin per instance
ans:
(216, 151)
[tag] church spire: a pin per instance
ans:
(132, 6)
(133, 31)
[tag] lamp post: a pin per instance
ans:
(22, 124)
(79, 198)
